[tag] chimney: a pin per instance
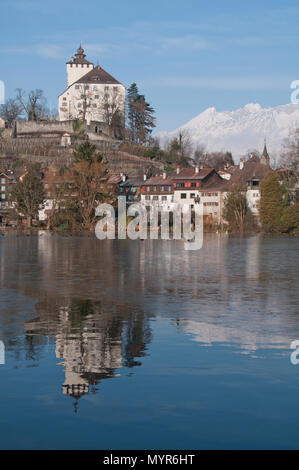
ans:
(178, 170)
(144, 177)
(241, 164)
(123, 177)
(201, 166)
(164, 175)
(196, 169)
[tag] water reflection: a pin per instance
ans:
(231, 291)
(193, 341)
(91, 339)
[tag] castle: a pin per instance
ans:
(92, 94)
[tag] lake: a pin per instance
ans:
(122, 344)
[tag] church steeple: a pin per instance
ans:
(265, 159)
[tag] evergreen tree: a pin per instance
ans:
(145, 119)
(140, 115)
(273, 200)
(132, 96)
(86, 152)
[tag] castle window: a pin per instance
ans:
(77, 87)
(64, 99)
(96, 97)
(94, 105)
(86, 87)
(79, 105)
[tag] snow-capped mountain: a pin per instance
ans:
(240, 130)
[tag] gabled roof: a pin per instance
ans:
(155, 180)
(190, 173)
(253, 170)
(98, 75)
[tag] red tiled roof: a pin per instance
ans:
(155, 180)
(190, 173)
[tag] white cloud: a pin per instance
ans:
(220, 83)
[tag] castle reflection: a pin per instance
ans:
(92, 339)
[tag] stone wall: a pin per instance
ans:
(40, 127)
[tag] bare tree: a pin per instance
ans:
(10, 111)
(217, 160)
(180, 148)
(200, 155)
(290, 156)
(33, 103)
(112, 111)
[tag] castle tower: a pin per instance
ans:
(77, 67)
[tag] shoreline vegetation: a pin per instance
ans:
(40, 230)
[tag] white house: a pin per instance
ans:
(249, 175)
(187, 187)
(92, 94)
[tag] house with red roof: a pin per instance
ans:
(185, 188)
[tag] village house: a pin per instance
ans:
(249, 175)
(158, 191)
(53, 182)
(7, 181)
(187, 186)
(92, 94)
(194, 185)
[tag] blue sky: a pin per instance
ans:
(184, 55)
